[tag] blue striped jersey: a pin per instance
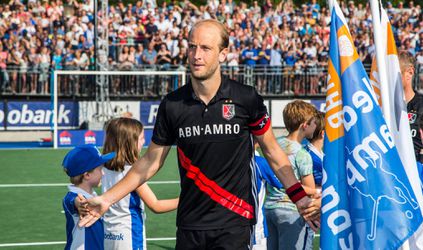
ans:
(317, 158)
(124, 221)
(80, 238)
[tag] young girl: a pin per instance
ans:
(124, 222)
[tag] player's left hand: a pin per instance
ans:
(96, 206)
(81, 205)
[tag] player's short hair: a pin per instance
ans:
(320, 125)
(122, 137)
(224, 34)
(406, 60)
(297, 112)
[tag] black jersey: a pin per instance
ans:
(215, 151)
(415, 117)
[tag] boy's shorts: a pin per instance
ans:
(233, 238)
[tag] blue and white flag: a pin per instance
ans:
(395, 110)
(368, 202)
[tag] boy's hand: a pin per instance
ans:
(81, 205)
(96, 206)
(310, 210)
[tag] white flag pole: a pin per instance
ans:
(380, 59)
(330, 4)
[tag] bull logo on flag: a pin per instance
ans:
(228, 111)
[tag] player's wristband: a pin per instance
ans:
(296, 192)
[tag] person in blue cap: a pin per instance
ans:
(83, 165)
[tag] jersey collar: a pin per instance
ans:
(223, 92)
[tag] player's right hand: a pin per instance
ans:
(96, 206)
(310, 211)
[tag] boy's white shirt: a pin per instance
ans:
(74, 189)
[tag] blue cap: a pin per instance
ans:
(84, 158)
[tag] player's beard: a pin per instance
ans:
(205, 75)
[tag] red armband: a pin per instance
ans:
(260, 126)
(296, 192)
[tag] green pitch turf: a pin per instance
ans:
(34, 214)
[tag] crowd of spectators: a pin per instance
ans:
(51, 34)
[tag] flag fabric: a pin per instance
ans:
(399, 123)
(368, 201)
(400, 126)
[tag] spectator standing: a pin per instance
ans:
(149, 58)
(276, 67)
(249, 55)
(13, 62)
(263, 61)
(233, 57)
(3, 64)
(163, 57)
(81, 62)
(44, 69)
(23, 70)
(34, 68)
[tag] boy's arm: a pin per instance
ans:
(280, 164)
(308, 184)
(150, 199)
(142, 170)
(305, 164)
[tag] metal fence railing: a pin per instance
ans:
(269, 81)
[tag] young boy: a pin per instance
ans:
(83, 165)
(287, 229)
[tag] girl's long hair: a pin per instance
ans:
(122, 138)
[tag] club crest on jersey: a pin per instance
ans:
(228, 111)
(412, 117)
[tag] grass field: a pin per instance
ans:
(31, 214)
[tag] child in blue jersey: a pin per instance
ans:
(83, 165)
(124, 226)
(264, 175)
(315, 148)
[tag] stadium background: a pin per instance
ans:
(31, 180)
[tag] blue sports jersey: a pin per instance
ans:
(80, 237)
(264, 174)
(317, 158)
(124, 221)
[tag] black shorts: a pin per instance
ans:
(234, 238)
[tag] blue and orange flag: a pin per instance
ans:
(368, 202)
